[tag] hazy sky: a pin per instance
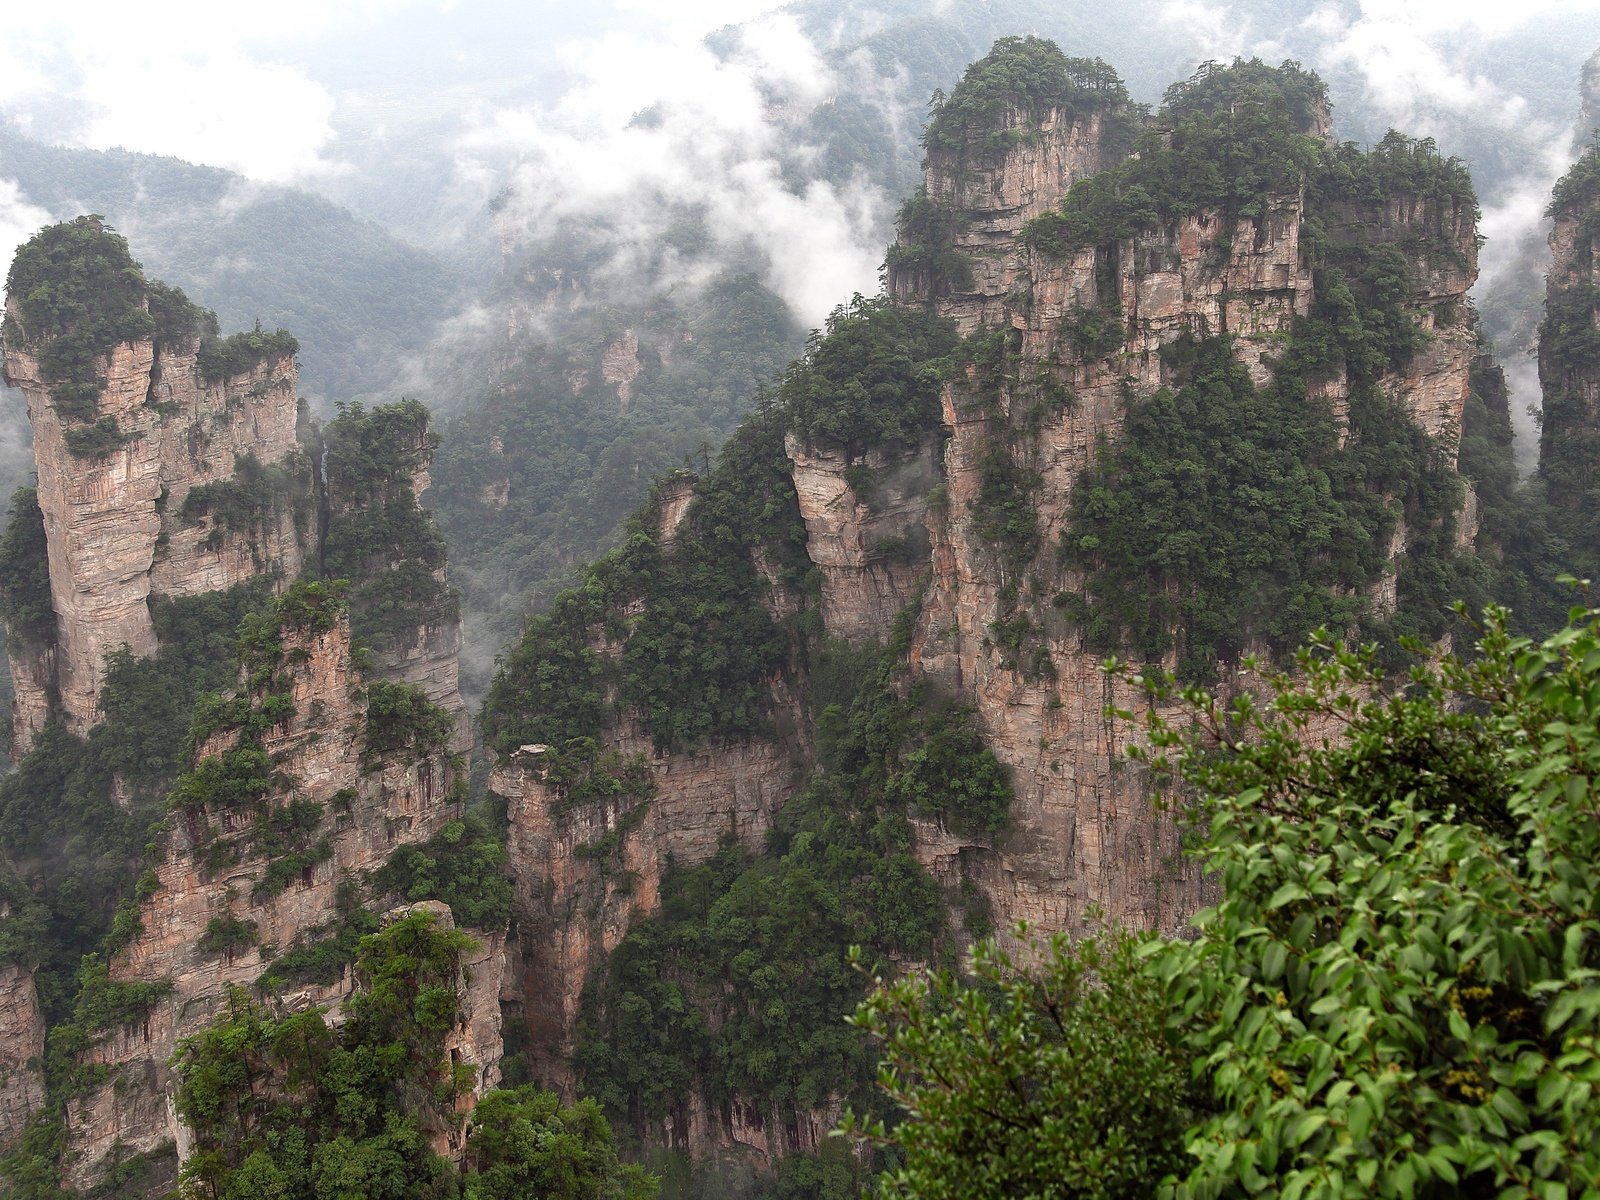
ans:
(259, 90)
(302, 91)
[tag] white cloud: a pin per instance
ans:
(189, 78)
(715, 134)
(19, 221)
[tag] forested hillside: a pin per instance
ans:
(986, 617)
(363, 300)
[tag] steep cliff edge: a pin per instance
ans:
(1123, 286)
(301, 800)
(132, 411)
(1569, 359)
(1180, 407)
(303, 786)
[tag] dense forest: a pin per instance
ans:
(1393, 990)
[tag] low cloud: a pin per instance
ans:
(655, 128)
(19, 220)
(188, 78)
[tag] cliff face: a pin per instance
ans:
(114, 518)
(994, 198)
(1085, 832)
(585, 872)
(1063, 343)
(1569, 368)
(22, 1032)
(225, 869)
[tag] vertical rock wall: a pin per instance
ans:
(112, 519)
(211, 870)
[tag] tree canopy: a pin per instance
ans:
(1397, 994)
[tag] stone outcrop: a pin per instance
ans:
(1084, 832)
(33, 681)
(114, 519)
(574, 906)
(1568, 377)
(212, 875)
(872, 548)
(886, 531)
(21, 1051)
(997, 197)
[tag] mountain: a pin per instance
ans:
(281, 256)
(845, 686)
(1176, 386)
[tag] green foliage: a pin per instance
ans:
(463, 865)
(77, 847)
(738, 987)
(295, 1108)
(525, 1143)
(104, 1004)
(1228, 513)
(1395, 994)
(94, 441)
(24, 929)
(285, 867)
(309, 606)
(1004, 514)
(25, 604)
(253, 496)
(924, 247)
(179, 322)
(1578, 191)
(1237, 161)
(226, 358)
(400, 717)
(322, 952)
(377, 536)
(1569, 362)
(696, 662)
(224, 935)
(1215, 88)
(870, 380)
(1056, 1079)
(1028, 75)
(75, 293)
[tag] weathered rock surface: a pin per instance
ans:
(872, 549)
(574, 907)
(112, 519)
(33, 677)
(1084, 831)
(211, 871)
(21, 1051)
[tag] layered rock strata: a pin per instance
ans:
(113, 518)
(22, 1033)
(1085, 834)
(212, 876)
(888, 532)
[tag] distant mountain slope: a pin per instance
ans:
(284, 256)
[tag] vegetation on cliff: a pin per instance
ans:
(375, 534)
(1233, 142)
(74, 293)
(736, 989)
(294, 1107)
(1395, 994)
(25, 604)
(1569, 372)
(536, 482)
(1028, 77)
